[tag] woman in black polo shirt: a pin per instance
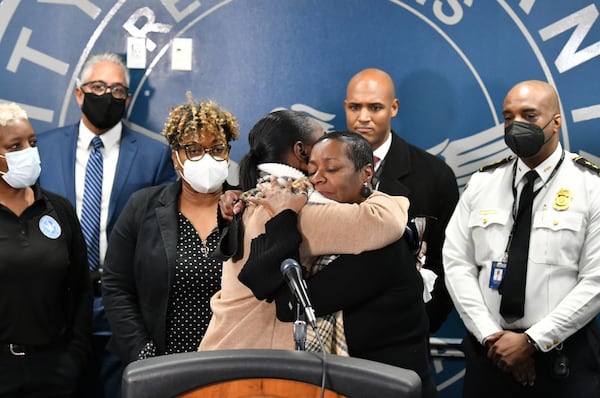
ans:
(45, 299)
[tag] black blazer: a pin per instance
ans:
(139, 269)
(430, 185)
(384, 314)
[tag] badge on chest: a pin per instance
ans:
(497, 273)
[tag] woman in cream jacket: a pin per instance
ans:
(280, 145)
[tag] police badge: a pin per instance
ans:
(562, 201)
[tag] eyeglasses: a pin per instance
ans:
(195, 151)
(99, 87)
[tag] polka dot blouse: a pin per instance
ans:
(197, 279)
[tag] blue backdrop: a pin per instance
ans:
(453, 61)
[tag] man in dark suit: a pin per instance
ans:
(130, 161)
(403, 169)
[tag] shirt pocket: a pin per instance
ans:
(557, 238)
(489, 231)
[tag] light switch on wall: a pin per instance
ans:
(181, 54)
(136, 52)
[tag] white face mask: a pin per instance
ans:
(205, 175)
(24, 168)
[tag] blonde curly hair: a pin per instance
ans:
(10, 112)
(195, 120)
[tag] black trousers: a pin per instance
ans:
(103, 377)
(484, 379)
(52, 373)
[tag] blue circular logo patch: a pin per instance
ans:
(49, 227)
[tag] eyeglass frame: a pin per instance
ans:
(106, 87)
(204, 151)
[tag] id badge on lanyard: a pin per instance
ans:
(498, 271)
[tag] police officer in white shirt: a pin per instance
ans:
(552, 349)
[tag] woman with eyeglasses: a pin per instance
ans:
(158, 276)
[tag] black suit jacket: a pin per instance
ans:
(139, 269)
(430, 185)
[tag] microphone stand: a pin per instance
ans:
(300, 328)
(300, 339)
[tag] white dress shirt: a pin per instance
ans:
(110, 155)
(382, 151)
(563, 271)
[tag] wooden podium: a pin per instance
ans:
(265, 374)
(260, 388)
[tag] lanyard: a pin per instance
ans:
(514, 192)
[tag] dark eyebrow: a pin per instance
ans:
(365, 104)
(527, 110)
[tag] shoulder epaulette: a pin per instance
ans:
(497, 163)
(587, 164)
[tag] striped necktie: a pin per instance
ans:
(376, 172)
(92, 199)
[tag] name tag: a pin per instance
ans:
(498, 270)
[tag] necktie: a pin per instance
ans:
(377, 173)
(375, 161)
(513, 283)
(92, 199)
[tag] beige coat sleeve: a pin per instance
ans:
(343, 228)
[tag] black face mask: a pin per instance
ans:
(525, 139)
(103, 111)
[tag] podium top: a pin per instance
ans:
(171, 375)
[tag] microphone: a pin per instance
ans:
(293, 275)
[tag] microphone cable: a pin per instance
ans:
(323, 360)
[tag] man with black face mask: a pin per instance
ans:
(97, 164)
(522, 261)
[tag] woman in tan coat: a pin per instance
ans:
(280, 145)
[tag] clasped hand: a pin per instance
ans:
(276, 198)
(275, 195)
(511, 352)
